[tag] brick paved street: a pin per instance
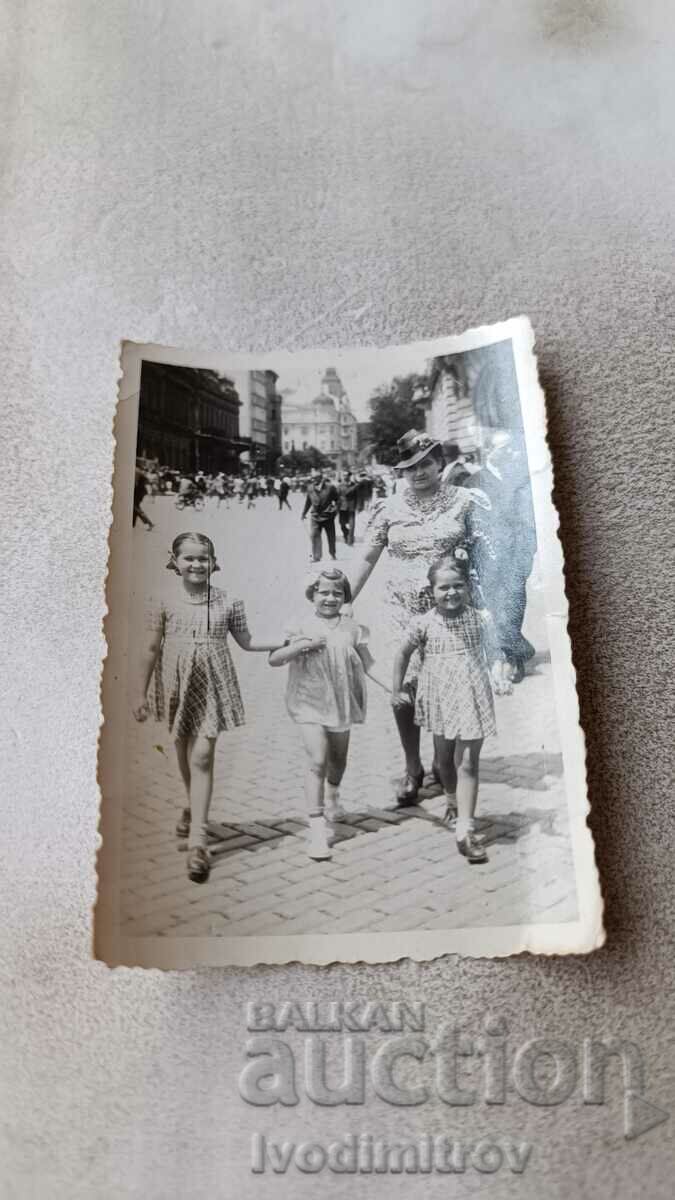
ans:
(391, 870)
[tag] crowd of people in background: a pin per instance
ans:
(354, 490)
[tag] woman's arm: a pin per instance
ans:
(368, 666)
(403, 656)
(146, 665)
(495, 656)
(364, 570)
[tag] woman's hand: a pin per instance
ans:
(500, 681)
(140, 709)
(307, 645)
(400, 700)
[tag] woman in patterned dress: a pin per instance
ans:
(195, 686)
(425, 519)
(454, 698)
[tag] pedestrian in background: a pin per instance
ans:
(347, 506)
(140, 490)
(282, 494)
(508, 523)
(321, 502)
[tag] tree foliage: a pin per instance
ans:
(304, 460)
(393, 413)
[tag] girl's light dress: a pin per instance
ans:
(415, 532)
(454, 694)
(328, 686)
(195, 687)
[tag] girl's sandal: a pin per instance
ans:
(407, 793)
(183, 824)
(473, 849)
(198, 865)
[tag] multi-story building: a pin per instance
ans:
(327, 423)
(273, 420)
(260, 415)
(466, 396)
(188, 419)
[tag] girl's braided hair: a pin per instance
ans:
(201, 540)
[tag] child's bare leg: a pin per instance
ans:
(444, 757)
(338, 748)
(183, 751)
(315, 741)
(467, 758)
(201, 787)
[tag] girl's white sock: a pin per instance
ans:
(463, 826)
(333, 808)
(198, 836)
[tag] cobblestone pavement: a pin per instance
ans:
(391, 869)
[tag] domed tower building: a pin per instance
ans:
(327, 423)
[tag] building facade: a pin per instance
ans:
(188, 419)
(466, 397)
(327, 423)
(260, 419)
(274, 436)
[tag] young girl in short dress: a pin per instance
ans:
(194, 683)
(454, 695)
(328, 658)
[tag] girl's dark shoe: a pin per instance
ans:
(198, 865)
(450, 815)
(472, 849)
(409, 789)
(183, 824)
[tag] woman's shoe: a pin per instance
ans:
(198, 865)
(408, 791)
(183, 824)
(517, 671)
(472, 849)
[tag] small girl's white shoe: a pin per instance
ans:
(317, 839)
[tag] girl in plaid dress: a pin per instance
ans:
(194, 684)
(454, 695)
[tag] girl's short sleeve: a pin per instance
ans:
(154, 615)
(377, 529)
(237, 622)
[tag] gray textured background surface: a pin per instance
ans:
(251, 175)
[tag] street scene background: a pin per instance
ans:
(392, 869)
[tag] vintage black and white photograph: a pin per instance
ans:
(340, 718)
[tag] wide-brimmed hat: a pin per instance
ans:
(413, 447)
